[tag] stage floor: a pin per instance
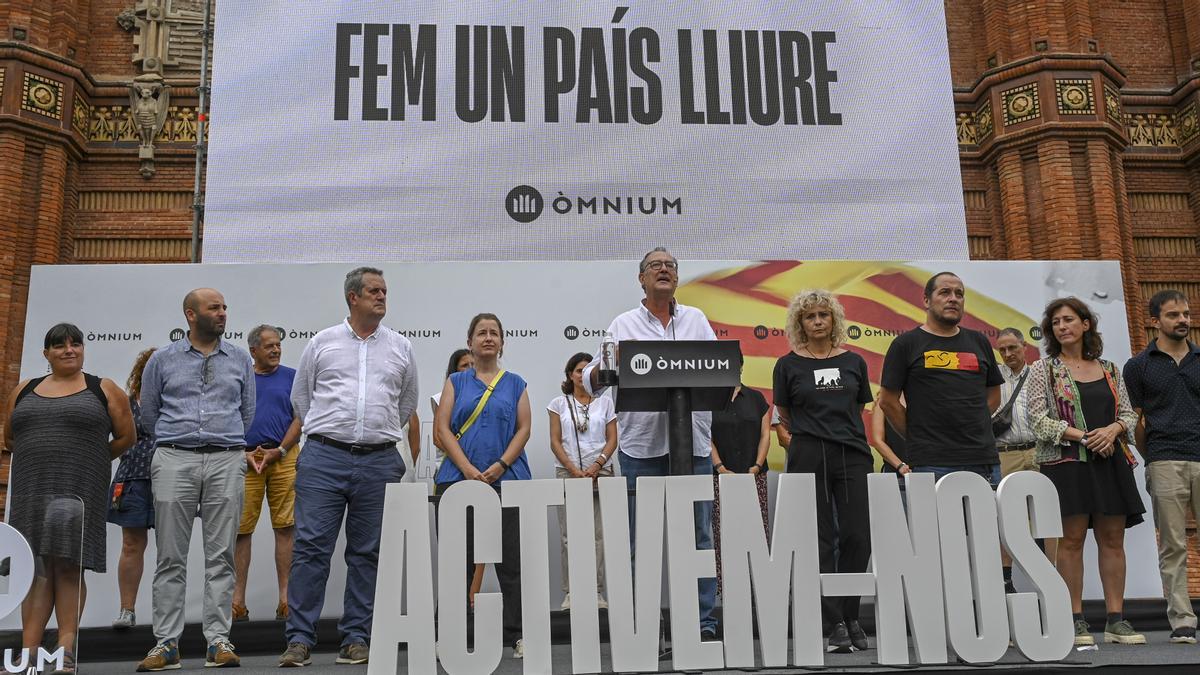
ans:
(1159, 653)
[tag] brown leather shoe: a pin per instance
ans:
(240, 613)
(281, 612)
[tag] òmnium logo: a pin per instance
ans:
(641, 364)
(571, 332)
(853, 332)
(761, 332)
(1035, 332)
(177, 334)
(524, 204)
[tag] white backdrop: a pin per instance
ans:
(123, 309)
(283, 168)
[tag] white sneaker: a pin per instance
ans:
(566, 603)
(125, 620)
(519, 649)
(601, 603)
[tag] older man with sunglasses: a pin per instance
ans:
(198, 396)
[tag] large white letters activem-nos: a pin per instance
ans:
(935, 568)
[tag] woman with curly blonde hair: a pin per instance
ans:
(820, 391)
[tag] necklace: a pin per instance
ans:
(581, 420)
(810, 352)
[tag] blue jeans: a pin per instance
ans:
(332, 483)
(990, 472)
(631, 468)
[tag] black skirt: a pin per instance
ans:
(1103, 485)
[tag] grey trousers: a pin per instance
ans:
(184, 481)
(560, 472)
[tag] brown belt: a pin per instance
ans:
(1015, 448)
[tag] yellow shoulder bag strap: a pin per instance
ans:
(479, 407)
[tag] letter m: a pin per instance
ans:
(46, 658)
(790, 568)
(414, 70)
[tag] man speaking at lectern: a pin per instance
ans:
(642, 436)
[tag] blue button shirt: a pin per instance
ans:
(190, 399)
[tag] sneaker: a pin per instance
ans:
(221, 655)
(281, 612)
(1184, 635)
(601, 603)
(519, 649)
(161, 657)
(295, 656)
(1083, 634)
(125, 620)
(566, 603)
(858, 636)
(353, 654)
(240, 613)
(839, 640)
(1122, 632)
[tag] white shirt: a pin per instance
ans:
(644, 434)
(1021, 431)
(356, 390)
(598, 414)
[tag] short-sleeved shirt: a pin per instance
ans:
(945, 381)
(1169, 396)
(591, 440)
(824, 397)
(737, 429)
(487, 438)
(272, 407)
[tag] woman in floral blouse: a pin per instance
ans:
(1083, 420)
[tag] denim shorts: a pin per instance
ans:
(134, 507)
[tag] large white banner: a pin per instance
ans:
(569, 130)
(550, 311)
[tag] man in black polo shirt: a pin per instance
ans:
(1164, 387)
(951, 385)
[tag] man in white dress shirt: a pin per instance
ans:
(642, 436)
(355, 388)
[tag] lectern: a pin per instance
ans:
(679, 377)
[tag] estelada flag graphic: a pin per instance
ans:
(944, 360)
(881, 299)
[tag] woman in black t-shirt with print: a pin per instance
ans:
(820, 390)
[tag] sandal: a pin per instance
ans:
(68, 664)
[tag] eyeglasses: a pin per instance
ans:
(657, 265)
(206, 371)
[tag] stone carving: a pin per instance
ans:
(1152, 130)
(149, 103)
(983, 120)
(168, 34)
(1112, 104)
(42, 95)
(968, 133)
(1075, 97)
(1021, 104)
(81, 112)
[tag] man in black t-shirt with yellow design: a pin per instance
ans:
(951, 384)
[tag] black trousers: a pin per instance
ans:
(508, 571)
(843, 522)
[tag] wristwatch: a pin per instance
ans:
(282, 452)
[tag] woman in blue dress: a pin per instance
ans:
(483, 423)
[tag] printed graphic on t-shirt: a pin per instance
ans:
(828, 378)
(943, 360)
